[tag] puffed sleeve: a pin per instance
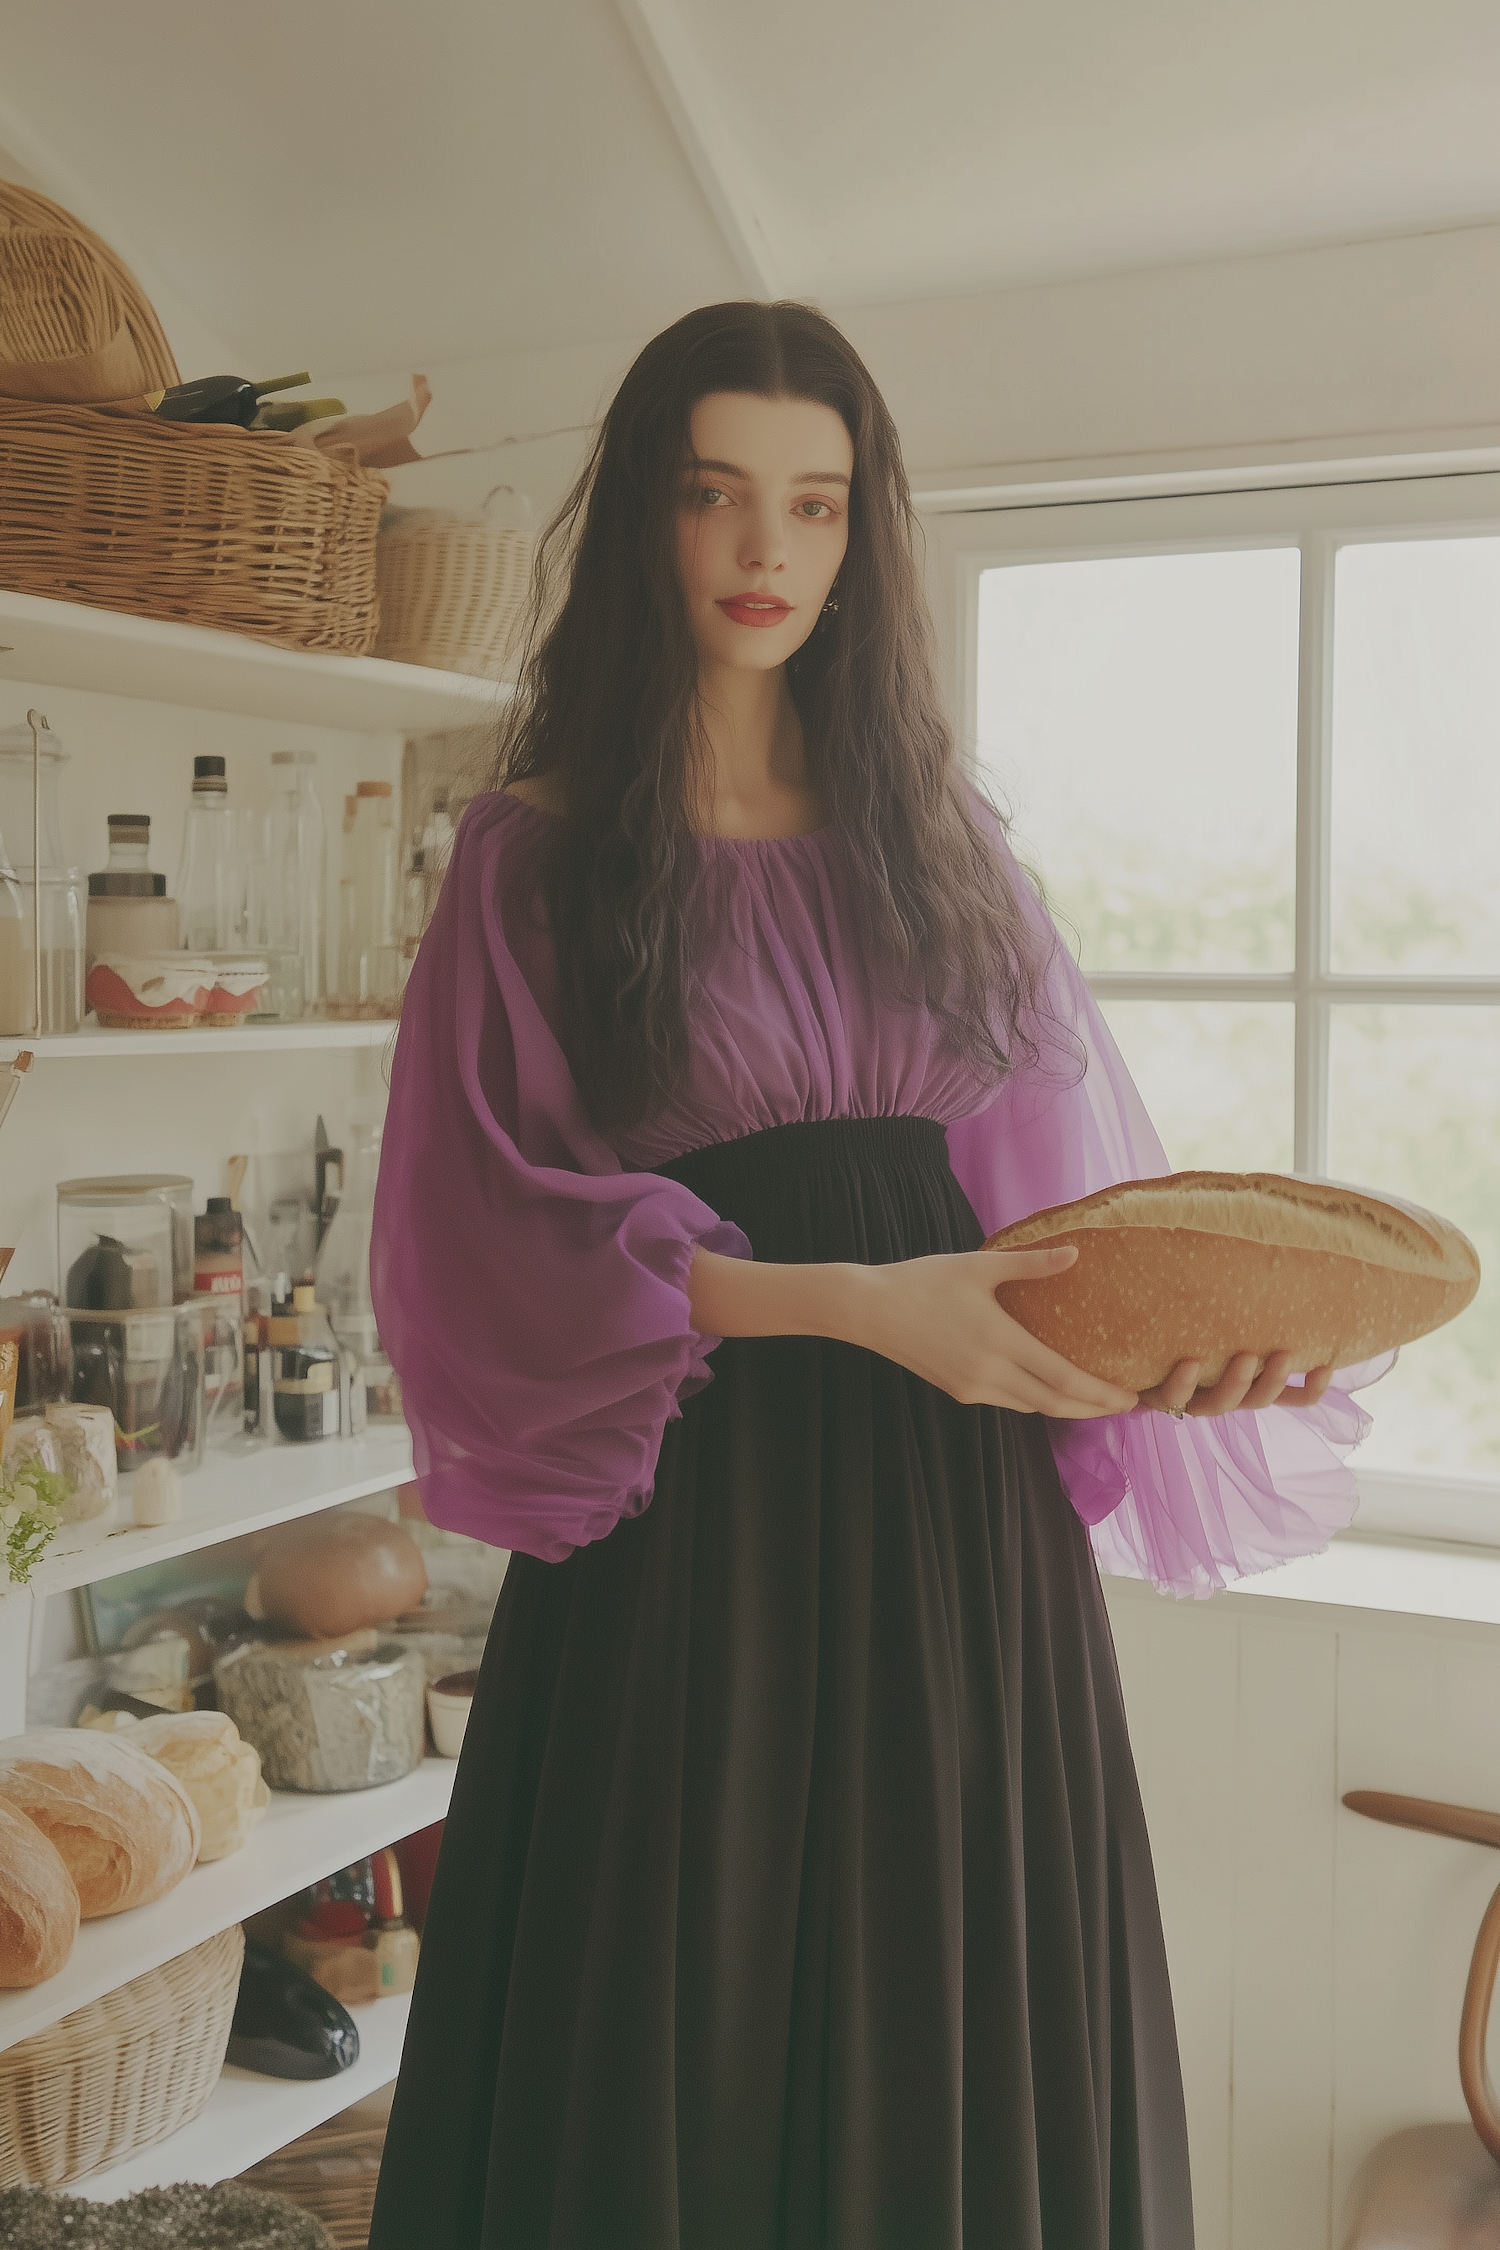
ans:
(1191, 1505)
(532, 1294)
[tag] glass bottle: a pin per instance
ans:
(211, 871)
(61, 889)
(370, 906)
(297, 876)
(343, 1268)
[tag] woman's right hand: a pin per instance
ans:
(940, 1318)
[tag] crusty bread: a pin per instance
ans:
(126, 1828)
(333, 1573)
(219, 1772)
(1202, 1265)
(38, 1903)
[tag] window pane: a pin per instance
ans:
(1416, 778)
(1139, 717)
(1216, 1078)
(1415, 1108)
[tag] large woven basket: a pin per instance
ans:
(453, 590)
(332, 2171)
(208, 525)
(19, 207)
(125, 2071)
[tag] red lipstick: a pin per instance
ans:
(755, 609)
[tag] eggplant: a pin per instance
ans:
(285, 2026)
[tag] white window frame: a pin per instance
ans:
(1317, 517)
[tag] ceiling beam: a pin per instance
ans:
(693, 110)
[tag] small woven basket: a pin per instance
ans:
(125, 2071)
(453, 590)
(204, 524)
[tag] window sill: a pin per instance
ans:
(1409, 1505)
(1412, 1578)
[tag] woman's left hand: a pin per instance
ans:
(1240, 1385)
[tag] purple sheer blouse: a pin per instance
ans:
(530, 1276)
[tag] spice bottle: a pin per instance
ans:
(305, 1369)
(219, 1250)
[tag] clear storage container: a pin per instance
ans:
(24, 826)
(147, 1367)
(125, 1240)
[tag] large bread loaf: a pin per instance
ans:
(1201, 1265)
(38, 1903)
(333, 1573)
(125, 1827)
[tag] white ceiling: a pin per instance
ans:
(360, 184)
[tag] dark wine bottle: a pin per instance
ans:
(218, 398)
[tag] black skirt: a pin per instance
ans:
(796, 1893)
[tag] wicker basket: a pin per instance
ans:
(19, 207)
(207, 525)
(332, 2171)
(453, 590)
(123, 2072)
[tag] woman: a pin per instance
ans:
(796, 1891)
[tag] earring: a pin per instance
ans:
(831, 606)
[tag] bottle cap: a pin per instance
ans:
(373, 789)
(127, 882)
(220, 1203)
(304, 1297)
(210, 771)
(129, 820)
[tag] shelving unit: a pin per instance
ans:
(300, 1839)
(232, 1494)
(64, 644)
(249, 2117)
(94, 1045)
(48, 643)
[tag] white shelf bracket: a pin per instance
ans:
(692, 107)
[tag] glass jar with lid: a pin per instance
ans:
(129, 911)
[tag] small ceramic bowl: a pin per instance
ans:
(448, 1702)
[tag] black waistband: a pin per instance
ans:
(830, 1144)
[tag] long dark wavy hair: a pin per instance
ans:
(606, 714)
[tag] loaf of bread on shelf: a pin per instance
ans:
(219, 1771)
(1202, 1265)
(38, 1903)
(331, 1574)
(125, 1827)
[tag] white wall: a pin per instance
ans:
(1318, 1958)
(1375, 346)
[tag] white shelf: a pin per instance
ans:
(233, 1493)
(65, 644)
(91, 1044)
(300, 1839)
(249, 2117)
